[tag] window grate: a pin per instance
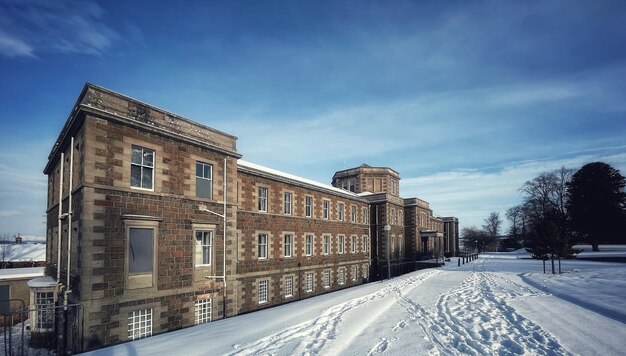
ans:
(140, 324)
(203, 311)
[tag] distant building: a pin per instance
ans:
(155, 224)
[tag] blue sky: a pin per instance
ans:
(466, 100)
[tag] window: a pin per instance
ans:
(353, 272)
(393, 216)
(325, 209)
(141, 168)
(342, 242)
(263, 291)
(288, 286)
(308, 210)
(365, 271)
(262, 199)
(393, 244)
(365, 244)
(364, 215)
(140, 257)
(262, 246)
(140, 324)
(400, 217)
(326, 245)
(342, 276)
(341, 212)
(288, 198)
(309, 245)
(309, 281)
(44, 311)
(204, 241)
(353, 240)
(288, 245)
(204, 180)
(353, 214)
(203, 311)
(326, 279)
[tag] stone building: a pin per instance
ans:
(154, 223)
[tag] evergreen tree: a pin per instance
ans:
(596, 203)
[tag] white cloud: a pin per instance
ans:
(60, 26)
(9, 213)
(15, 47)
(472, 194)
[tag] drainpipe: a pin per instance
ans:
(59, 227)
(69, 224)
(224, 243)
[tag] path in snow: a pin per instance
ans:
(473, 318)
(312, 337)
(476, 319)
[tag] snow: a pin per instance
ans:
(42, 282)
(498, 304)
(21, 273)
(292, 177)
(25, 252)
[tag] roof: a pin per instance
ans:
(21, 273)
(294, 178)
(25, 252)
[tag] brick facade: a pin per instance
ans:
(150, 234)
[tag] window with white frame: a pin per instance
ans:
(309, 281)
(262, 246)
(365, 270)
(142, 168)
(365, 243)
(393, 216)
(44, 311)
(353, 213)
(263, 199)
(262, 291)
(400, 217)
(393, 244)
(325, 209)
(363, 215)
(203, 311)
(326, 279)
(203, 252)
(341, 211)
(288, 245)
(353, 272)
(287, 203)
(309, 245)
(308, 206)
(326, 244)
(342, 275)
(342, 244)
(353, 241)
(204, 180)
(140, 324)
(288, 286)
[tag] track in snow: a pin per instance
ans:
(475, 319)
(311, 337)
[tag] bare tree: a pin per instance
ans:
(491, 228)
(472, 236)
(5, 249)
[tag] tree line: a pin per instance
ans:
(560, 208)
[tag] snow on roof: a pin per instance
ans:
(42, 282)
(21, 273)
(25, 252)
(275, 172)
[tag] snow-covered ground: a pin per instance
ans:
(494, 305)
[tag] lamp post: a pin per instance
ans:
(387, 228)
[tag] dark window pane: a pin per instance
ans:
(136, 156)
(146, 178)
(140, 254)
(203, 188)
(208, 171)
(148, 158)
(199, 172)
(135, 176)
